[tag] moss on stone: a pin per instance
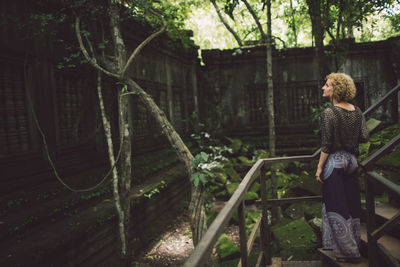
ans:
(313, 209)
(226, 249)
(306, 210)
(251, 196)
(305, 185)
(253, 215)
(296, 240)
(295, 211)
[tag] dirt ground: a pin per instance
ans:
(175, 245)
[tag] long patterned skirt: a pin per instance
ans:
(341, 206)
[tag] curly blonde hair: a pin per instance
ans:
(344, 88)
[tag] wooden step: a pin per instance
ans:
(385, 210)
(328, 259)
(301, 264)
(275, 262)
(383, 213)
(372, 124)
(390, 243)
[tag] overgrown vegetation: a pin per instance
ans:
(297, 233)
(228, 160)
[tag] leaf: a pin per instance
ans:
(230, 6)
(209, 173)
(202, 178)
(195, 176)
(197, 160)
(204, 156)
(196, 182)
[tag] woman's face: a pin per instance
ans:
(328, 89)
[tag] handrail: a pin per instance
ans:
(387, 184)
(204, 248)
(368, 162)
(382, 100)
(371, 179)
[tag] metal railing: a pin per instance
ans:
(203, 250)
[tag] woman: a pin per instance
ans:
(343, 127)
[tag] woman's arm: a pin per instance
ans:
(326, 141)
(320, 168)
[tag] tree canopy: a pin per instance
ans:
(364, 19)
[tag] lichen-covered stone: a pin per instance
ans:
(295, 211)
(305, 185)
(253, 215)
(226, 249)
(300, 210)
(251, 196)
(313, 209)
(296, 240)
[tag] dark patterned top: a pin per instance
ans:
(342, 129)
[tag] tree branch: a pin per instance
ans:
(86, 54)
(222, 19)
(145, 42)
(257, 21)
(283, 42)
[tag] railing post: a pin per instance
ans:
(371, 225)
(264, 231)
(395, 108)
(242, 234)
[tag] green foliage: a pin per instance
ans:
(377, 140)
(211, 216)
(236, 144)
(230, 6)
(210, 158)
(316, 115)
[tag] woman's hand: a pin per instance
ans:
(318, 175)
(321, 163)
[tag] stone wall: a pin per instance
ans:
(233, 83)
(43, 223)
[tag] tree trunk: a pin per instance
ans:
(125, 136)
(293, 23)
(119, 207)
(118, 70)
(222, 19)
(314, 9)
(197, 212)
(271, 111)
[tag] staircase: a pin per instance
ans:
(390, 243)
(380, 232)
(381, 220)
